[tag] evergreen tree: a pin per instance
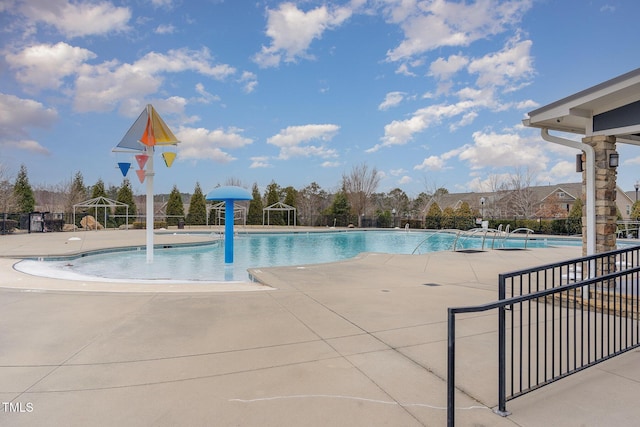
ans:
(290, 197)
(635, 210)
(434, 216)
(77, 193)
(465, 217)
(175, 207)
(448, 218)
(576, 209)
(23, 192)
(98, 191)
(340, 209)
(254, 216)
(125, 195)
(197, 208)
(273, 196)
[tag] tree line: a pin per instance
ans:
(356, 201)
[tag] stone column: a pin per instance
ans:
(605, 208)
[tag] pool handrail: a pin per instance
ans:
(520, 229)
(444, 230)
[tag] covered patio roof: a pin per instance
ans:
(610, 108)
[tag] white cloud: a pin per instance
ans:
(165, 29)
(103, 86)
(432, 163)
(404, 70)
(260, 162)
(443, 69)
(503, 150)
(527, 105)
(430, 25)
(292, 140)
(250, 81)
(201, 143)
(79, 18)
(292, 31)
(205, 97)
(511, 64)
(399, 132)
(178, 60)
(632, 161)
(162, 3)
(563, 170)
(17, 117)
(328, 164)
(405, 180)
(44, 66)
(392, 99)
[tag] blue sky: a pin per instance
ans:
(429, 92)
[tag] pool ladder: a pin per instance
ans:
(497, 233)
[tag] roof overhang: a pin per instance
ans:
(611, 108)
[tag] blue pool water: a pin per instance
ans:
(206, 263)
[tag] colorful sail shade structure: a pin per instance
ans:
(147, 132)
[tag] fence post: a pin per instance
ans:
(502, 350)
(451, 369)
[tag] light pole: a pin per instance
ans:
(482, 207)
(393, 212)
(637, 186)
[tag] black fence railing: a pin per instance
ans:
(559, 319)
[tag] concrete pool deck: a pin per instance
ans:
(354, 343)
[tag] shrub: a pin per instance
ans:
(138, 225)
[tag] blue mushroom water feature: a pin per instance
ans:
(229, 194)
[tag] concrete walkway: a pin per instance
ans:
(354, 343)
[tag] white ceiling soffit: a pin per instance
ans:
(609, 108)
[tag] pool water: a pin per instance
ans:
(254, 250)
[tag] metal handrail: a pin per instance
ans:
(431, 235)
(547, 314)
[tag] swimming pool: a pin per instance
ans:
(254, 250)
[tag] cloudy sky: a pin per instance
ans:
(429, 92)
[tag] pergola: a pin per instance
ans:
(279, 206)
(101, 202)
(605, 114)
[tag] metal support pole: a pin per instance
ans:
(228, 231)
(451, 369)
(502, 349)
(149, 176)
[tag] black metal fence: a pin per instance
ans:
(559, 319)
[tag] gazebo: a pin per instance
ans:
(605, 114)
(282, 207)
(238, 212)
(101, 202)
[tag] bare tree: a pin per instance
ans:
(75, 192)
(7, 198)
(237, 182)
(521, 196)
(359, 185)
(311, 201)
